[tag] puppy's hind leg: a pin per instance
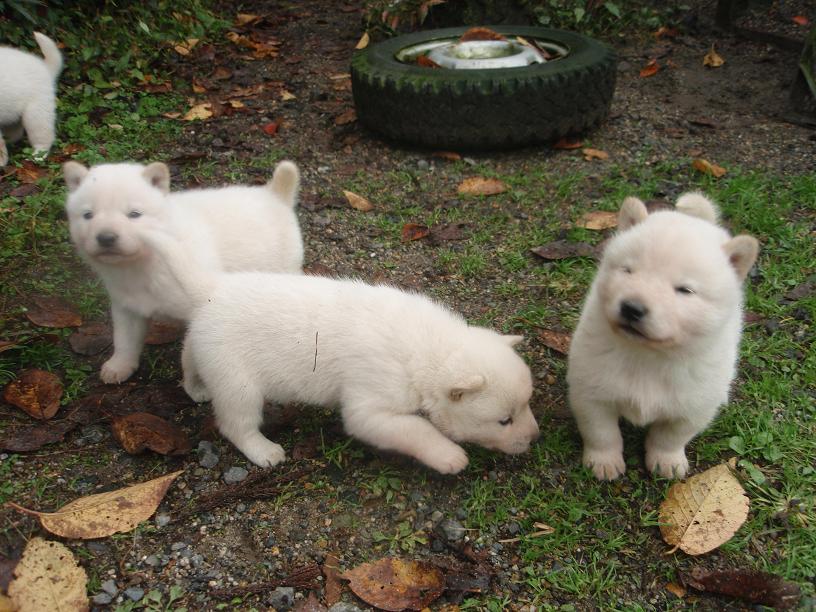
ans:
(38, 120)
(238, 407)
(192, 382)
(603, 443)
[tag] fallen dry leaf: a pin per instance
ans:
(48, 311)
(703, 512)
(29, 172)
(563, 249)
(650, 69)
(590, 154)
(801, 20)
(567, 143)
(598, 220)
(103, 514)
(414, 231)
(706, 167)
(245, 19)
(363, 42)
(347, 116)
(427, 62)
(448, 155)
(664, 31)
(450, 231)
(556, 340)
(163, 332)
(393, 584)
(36, 392)
(91, 339)
(712, 59)
(358, 202)
(199, 112)
(23, 191)
(184, 48)
(33, 437)
(676, 590)
(140, 430)
(7, 345)
(310, 604)
(332, 588)
(271, 128)
(750, 585)
(477, 185)
(287, 95)
(48, 577)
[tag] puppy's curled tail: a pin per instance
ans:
(696, 204)
(51, 54)
(285, 183)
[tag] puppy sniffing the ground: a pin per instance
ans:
(659, 333)
(28, 95)
(408, 374)
(229, 228)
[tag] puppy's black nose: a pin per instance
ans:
(106, 239)
(633, 311)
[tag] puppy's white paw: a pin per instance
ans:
(606, 465)
(450, 459)
(667, 465)
(263, 452)
(117, 370)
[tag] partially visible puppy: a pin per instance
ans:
(409, 375)
(658, 336)
(230, 228)
(28, 95)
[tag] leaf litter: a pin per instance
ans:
(48, 577)
(478, 185)
(139, 431)
(395, 584)
(750, 585)
(36, 392)
(50, 311)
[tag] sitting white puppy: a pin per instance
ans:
(229, 228)
(28, 95)
(658, 337)
(409, 375)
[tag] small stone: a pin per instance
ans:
(162, 519)
(436, 516)
(437, 545)
(461, 514)
(99, 548)
(197, 560)
(453, 529)
(423, 164)
(282, 598)
(235, 475)
(208, 460)
(344, 607)
(205, 446)
(152, 560)
(134, 593)
(493, 475)
(240, 508)
(109, 586)
(101, 599)
(178, 545)
(513, 528)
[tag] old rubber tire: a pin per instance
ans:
(483, 109)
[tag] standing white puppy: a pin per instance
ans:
(28, 95)
(658, 337)
(409, 375)
(230, 228)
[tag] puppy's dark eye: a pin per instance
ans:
(87, 215)
(507, 421)
(684, 290)
(134, 214)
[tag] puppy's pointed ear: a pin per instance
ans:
(512, 340)
(696, 204)
(158, 175)
(471, 383)
(742, 252)
(73, 172)
(632, 212)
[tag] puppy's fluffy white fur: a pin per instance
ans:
(28, 95)
(229, 228)
(408, 374)
(658, 336)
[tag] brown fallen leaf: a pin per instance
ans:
(358, 202)
(271, 128)
(556, 340)
(245, 19)
(750, 585)
(91, 339)
(103, 514)
(568, 143)
(287, 95)
(363, 42)
(427, 62)
(450, 231)
(703, 512)
(598, 220)
(712, 59)
(801, 20)
(163, 332)
(50, 311)
(333, 588)
(24, 190)
(676, 590)
(590, 154)
(347, 116)
(199, 112)
(414, 231)
(140, 430)
(29, 172)
(563, 249)
(666, 32)
(184, 48)
(7, 345)
(478, 185)
(393, 584)
(310, 604)
(448, 155)
(706, 167)
(650, 69)
(33, 437)
(36, 392)
(48, 577)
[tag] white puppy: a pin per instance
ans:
(28, 95)
(231, 228)
(409, 375)
(658, 337)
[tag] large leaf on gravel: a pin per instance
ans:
(394, 584)
(752, 586)
(48, 577)
(414, 231)
(703, 512)
(50, 311)
(478, 185)
(332, 588)
(555, 340)
(141, 430)
(598, 220)
(104, 514)
(37, 392)
(358, 202)
(33, 437)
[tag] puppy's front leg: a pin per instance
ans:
(603, 444)
(3, 151)
(666, 447)
(129, 331)
(408, 434)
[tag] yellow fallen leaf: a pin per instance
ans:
(48, 577)
(590, 154)
(706, 167)
(243, 19)
(199, 111)
(478, 185)
(598, 220)
(712, 59)
(103, 514)
(171, 115)
(184, 48)
(237, 104)
(676, 590)
(358, 202)
(287, 95)
(363, 42)
(703, 512)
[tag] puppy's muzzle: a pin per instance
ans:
(107, 239)
(632, 311)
